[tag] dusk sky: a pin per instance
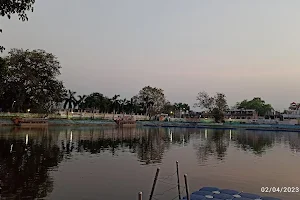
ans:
(241, 48)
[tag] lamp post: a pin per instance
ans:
(12, 105)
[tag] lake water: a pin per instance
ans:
(114, 164)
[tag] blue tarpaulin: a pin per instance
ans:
(213, 193)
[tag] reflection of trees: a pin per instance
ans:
(148, 144)
(24, 170)
(215, 144)
(151, 147)
(255, 141)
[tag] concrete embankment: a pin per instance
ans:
(258, 127)
(67, 122)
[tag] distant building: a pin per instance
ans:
(293, 112)
(241, 114)
(273, 115)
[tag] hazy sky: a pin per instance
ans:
(241, 48)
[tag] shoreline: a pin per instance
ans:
(253, 127)
(158, 124)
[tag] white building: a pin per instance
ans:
(293, 112)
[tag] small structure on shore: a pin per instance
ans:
(125, 121)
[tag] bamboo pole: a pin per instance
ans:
(178, 182)
(140, 195)
(186, 187)
(154, 183)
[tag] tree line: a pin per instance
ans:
(217, 105)
(29, 82)
(148, 101)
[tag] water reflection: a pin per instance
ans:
(24, 169)
(256, 142)
(215, 143)
(28, 155)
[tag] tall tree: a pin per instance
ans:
(115, 102)
(168, 108)
(106, 104)
(137, 108)
(130, 106)
(180, 107)
(153, 99)
(32, 81)
(94, 101)
(205, 101)
(19, 7)
(257, 104)
(3, 76)
(221, 102)
(216, 105)
(70, 100)
(80, 101)
(123, 103)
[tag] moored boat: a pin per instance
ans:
(126, 121)
(30, 122)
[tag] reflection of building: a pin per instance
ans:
(241, 114)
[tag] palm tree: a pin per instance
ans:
(80, 101)
(181, 107)
(134, 101)
(123, 103)
(115, 102)
(130, 106)
(106, 105)
(70, 100)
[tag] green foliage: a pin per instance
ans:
(3, 74)
(19, 7)
(216, 105)
(181, 106)
(148, 101)
(218, 115)
(115, 102)
(205, 101)
(168, 108)
(80, 101)
(256, 103)
(221, 102)
(152, 99)
(32, 82)
(97, 101)
(70, 100)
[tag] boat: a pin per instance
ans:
(125, 121)
(30, 122)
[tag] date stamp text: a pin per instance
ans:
(273, 189)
